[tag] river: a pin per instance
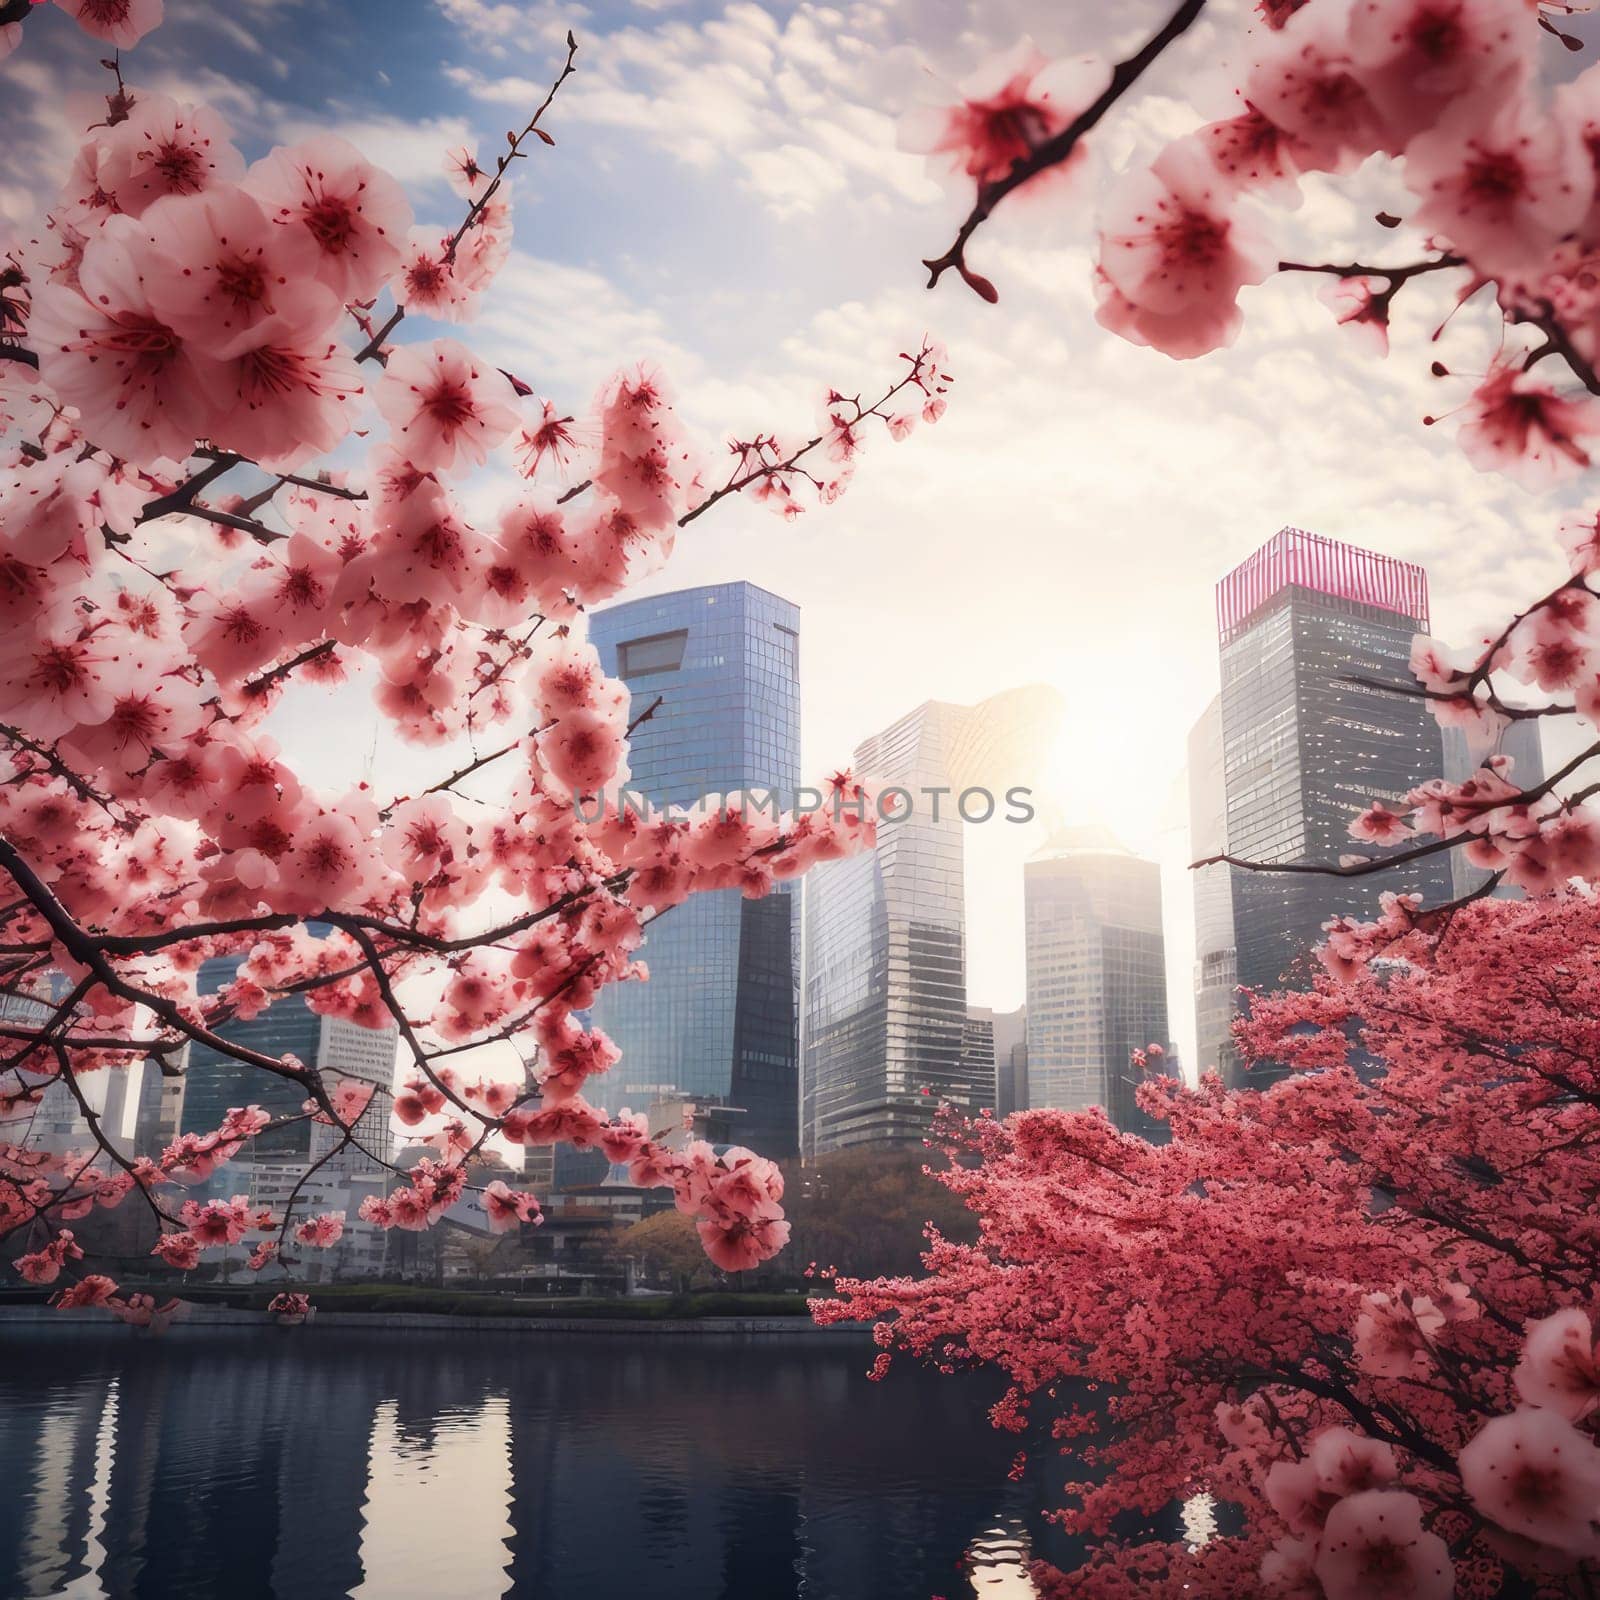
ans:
(320, 1462)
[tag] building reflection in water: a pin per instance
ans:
(323, 1462)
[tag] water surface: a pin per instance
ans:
(317, 1462)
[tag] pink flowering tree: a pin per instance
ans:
(225, 474)
(1359, 1308)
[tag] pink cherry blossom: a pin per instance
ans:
(140, 387)
(1416, 57)
(1003, 112)
(120, 22)
(165, 148)
(1517, 424)
(1535, 1475)
(1374, 1547)
(321, 1232)
(508, 1207)
(1174, 254)
(1504, 189)
(355, 213)
(1558, 1368)
(446, 408)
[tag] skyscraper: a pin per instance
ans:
(346, 1051)
(1520, 740)
(717, 1020)
(1314, 636)
(1097, 984)
(999, 1038)
(885, 931)
(1216, 961)
(214, 1081)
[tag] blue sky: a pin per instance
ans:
(725, 197)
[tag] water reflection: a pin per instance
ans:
(326, 1462)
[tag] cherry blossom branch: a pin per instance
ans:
(1056, 150)
(373, 349)
(919, 364)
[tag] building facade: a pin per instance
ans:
(718, 1018)
(1520, 741)
(1097, 985)
(350, 1053)
(1216, 960)
(213, 1082)
(1000, 1040)
(1315, 638)
(885, 1013)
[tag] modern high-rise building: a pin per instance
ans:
(885, 1009)
(348, 1052)
(54, 1123)
(1520, 741)
(1315, 637)
(1000, 1040)
(1216, 961)
(717, 1019)
(212, 1082)
(1097, 975)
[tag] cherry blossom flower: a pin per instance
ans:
(181, 1250)
(1374, 1547)
(1005, 111)
(355, 213)
(142, 390)
(1502, 189)
(445, 407)
(428, 283)
(120, 22)
(1173, 256)
(1535, 1475)
(321, 1232)
(1517, 424)
(1303, 80)
(1379, 825)
(1358, 303)
(1417, 57)
(165, 148)
(94, 1290)
(1558, 1368)
(507, 1207)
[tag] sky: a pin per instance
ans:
(725, 198)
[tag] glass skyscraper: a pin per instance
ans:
(1097, 975)
(214, 1082)
(1216, 960)
(717, 1019)
(1312, 633)
(1521, 742)
(885, 931)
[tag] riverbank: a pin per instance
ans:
(401, 1306)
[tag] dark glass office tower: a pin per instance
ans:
(213, 1082)
(717, 1020)
(1311, 633)
(885, 966)
(1097, 976)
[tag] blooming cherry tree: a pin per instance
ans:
(1360, 1307)
(185, 337)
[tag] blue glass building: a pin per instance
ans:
(717, 1020)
